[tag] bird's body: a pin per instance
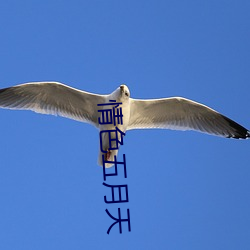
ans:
(125, 106)
(167, 113)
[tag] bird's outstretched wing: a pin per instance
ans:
(182, 114)
(53, 98)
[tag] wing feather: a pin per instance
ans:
(53, 98)
(182, 114)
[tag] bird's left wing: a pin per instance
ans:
(182, 114)
(53, 98)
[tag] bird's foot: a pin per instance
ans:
(107, 155)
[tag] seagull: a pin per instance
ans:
(176, 113)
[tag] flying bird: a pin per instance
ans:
(175, 113)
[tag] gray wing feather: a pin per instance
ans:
(182, 114)
(53, 98)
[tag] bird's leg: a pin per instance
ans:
(107, 155)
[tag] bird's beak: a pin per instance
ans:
(122, 88)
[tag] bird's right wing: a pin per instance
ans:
(53, 98)
(182, 114)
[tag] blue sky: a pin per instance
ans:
(187, 190)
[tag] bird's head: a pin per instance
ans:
(121, 93)
(125, 94)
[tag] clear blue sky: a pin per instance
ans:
(187, 190)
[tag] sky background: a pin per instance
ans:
(187, 190)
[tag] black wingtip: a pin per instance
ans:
(239, 131)
(248, 134)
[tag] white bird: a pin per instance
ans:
(167, 113)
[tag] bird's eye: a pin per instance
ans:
(126, 93)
